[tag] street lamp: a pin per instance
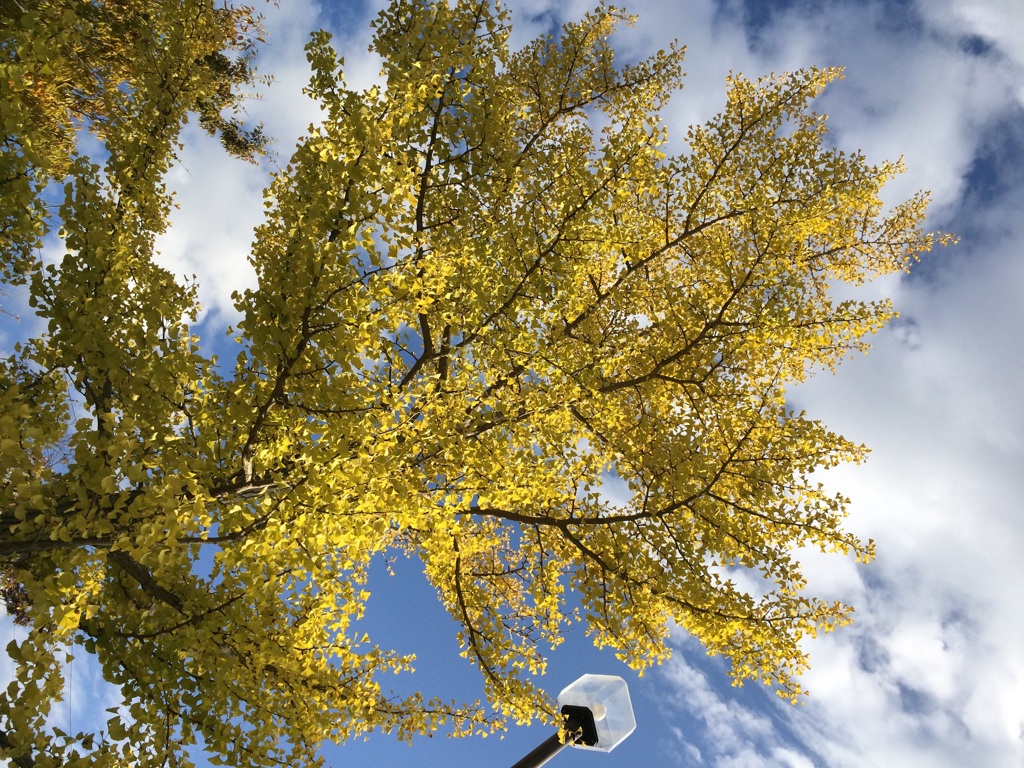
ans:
(598, 716)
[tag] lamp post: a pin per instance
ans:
(598, 716)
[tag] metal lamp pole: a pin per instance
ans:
(547, 749)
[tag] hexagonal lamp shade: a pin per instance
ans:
(598, 716)
(606, 698)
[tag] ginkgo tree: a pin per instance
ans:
(484, 287)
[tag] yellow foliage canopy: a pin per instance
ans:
(472, 307)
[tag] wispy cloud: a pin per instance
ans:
(719, 728)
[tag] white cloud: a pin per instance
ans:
(733, 734)
(920, 97)
(999, 22)
(941, 495)
(219, 198)
(716, 45)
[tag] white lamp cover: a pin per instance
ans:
(607, 697)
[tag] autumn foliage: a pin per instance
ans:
(484, 288)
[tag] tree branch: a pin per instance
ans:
(145, 579)
(24, 760)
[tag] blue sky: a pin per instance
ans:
(932, 673)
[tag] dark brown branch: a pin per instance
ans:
(24, 760)
(472, 633)
(145, 579)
